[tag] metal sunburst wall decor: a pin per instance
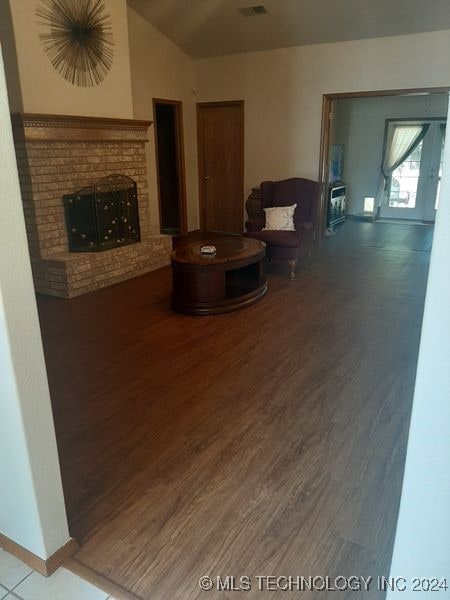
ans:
(78, 39)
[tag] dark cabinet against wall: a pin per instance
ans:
(336, 204)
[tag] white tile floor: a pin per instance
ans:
(17, 581)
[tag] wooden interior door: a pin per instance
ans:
(221, 165)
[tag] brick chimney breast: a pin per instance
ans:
(58, 155)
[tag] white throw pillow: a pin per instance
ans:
(280, 218)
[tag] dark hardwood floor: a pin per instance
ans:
(269, 441)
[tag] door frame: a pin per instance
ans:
(325, 136)
(200, 154)
(179, 142)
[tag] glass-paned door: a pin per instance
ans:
(413, 188)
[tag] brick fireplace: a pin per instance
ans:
(59, 155)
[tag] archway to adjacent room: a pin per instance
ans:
(326, 139)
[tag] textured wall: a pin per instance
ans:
(32, 511)
(283, 92)
(159, 69)
(422, 543)
(43, 90)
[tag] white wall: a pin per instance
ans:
(44, 90)
(159, 69)
(32, 511)
(8, 42)
(283, 91)
(359, 124)
(422, 543)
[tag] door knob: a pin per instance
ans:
(206, 178)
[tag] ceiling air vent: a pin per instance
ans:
(252, 11)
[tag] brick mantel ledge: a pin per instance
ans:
(36, 127)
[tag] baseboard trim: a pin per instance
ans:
(364, 217)
(43, 566)
(108, 586)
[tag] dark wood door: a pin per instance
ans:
(221, 165)
(170, 165)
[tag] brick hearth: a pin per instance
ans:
(58, 155)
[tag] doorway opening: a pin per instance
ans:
(169, 147)
(353, 160)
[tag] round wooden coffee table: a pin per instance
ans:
(229, 280)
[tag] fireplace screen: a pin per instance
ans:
(103, 216)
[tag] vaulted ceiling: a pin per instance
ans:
(205, 28)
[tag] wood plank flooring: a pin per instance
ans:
(270, 441)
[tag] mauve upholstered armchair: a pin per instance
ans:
(288, 245)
